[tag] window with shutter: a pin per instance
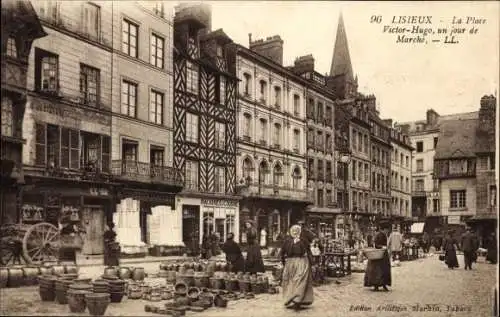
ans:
(74, 149)
(106, 147)
(65, 147)
(40, 143)
(53, 145)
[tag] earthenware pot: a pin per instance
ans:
(76, 300)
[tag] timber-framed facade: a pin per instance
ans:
(204, 128)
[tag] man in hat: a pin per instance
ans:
(469, 247)
(395, 243)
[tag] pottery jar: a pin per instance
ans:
(76, 300)
(57, 269)
(138, 274)
(111, 271)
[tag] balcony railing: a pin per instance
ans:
(280, 192)
(146, 172)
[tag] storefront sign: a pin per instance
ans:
(220, 202)
(454, 220)
(73, 114)
(94, 191)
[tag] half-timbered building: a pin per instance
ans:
(205, 128)
(271, 159)
(20, 27)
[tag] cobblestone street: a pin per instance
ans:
(422, 282)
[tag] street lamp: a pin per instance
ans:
(345, 158)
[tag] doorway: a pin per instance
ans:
(191, 228)
(93, 223)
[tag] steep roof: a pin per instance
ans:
(341, 60)
(457, 138)
(20, 17)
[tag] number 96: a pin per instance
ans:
(376, 19)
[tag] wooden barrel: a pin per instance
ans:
(16, 277)
(31, 275)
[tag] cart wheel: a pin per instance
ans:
(41, 243)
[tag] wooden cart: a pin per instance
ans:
(29, 243)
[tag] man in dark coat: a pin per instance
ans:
(469, 247)
(233, 253)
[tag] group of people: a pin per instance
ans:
(469, 245)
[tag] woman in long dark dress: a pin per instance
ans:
(378, 272)
(450, 251)
(492, 247)
(206, 247)
(233, 254)
(254, 262)
(297, 274)
(111, 248)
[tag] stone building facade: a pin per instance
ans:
(142, 124)
(271, 155)
(401, 170)
(98, 124)
(320, 144)
(486, 219)
(424, 137)
(67, 124)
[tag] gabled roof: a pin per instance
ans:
(457, 139)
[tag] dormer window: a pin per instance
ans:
(159, 9)
(11, 47)
(219, 51)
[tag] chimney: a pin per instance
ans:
(388, 122)
(371, 103)
(432, 117)
(271, 48)
(304, 64)
(487, 112)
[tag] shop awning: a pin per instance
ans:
(417, 227)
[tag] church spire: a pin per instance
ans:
(341, 61)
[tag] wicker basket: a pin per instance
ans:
(374, 254)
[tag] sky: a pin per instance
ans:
(407, 79)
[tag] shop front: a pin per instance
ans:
(86, 204)
(204, 216)
(145, 218)
(273, 218)
(322, 223)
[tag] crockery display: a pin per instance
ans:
(76, 300)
